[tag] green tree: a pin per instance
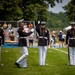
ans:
(55, 20)
(9, 10)
(70, 10)
(27, 9)
(36, 9)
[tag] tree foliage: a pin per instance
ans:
(70, 10)
(36, 9)
(10, 10)
(55, 20)
(27, 9)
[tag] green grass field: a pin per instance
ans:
(56, 62)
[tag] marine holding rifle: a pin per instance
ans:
(43, 42)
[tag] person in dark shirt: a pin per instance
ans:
(60, 39)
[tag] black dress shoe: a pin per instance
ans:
(18, 65)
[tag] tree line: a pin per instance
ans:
(13, 10)
(57, 20)
(27, 9)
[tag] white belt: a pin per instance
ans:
(71, 38)
(22, 37)
(43, 37)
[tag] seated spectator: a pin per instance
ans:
(12, 36)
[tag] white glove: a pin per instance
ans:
(66, 45)
(32, 30)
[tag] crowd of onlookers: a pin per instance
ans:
(55, 37)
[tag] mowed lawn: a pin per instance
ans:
(56, 62)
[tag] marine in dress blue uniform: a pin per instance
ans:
(1, 39)
(23, 45)
(1, 36)
(70, 40)
(43, 42)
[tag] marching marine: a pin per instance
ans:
(1, 39)
(1, 36)
(23, 45)
(43, 42)
(70, 41)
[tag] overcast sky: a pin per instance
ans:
(58, 7)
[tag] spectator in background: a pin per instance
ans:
(63, 39)
(9, 26)
(26, 28)
(53, 39)
(10, 32)
(31, 40)
(31, 37)
(12, 36)
(60, 39)
(5, 25)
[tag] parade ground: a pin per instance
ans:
(56, 62)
